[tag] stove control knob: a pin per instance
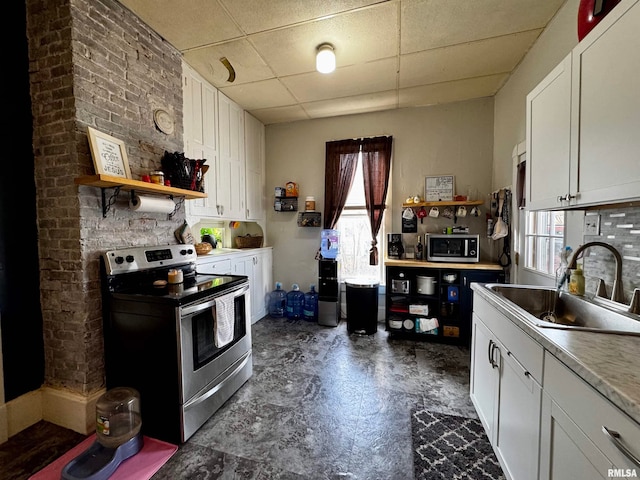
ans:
(183, 252)
(119, 260)
(190, 251)
(130, 258)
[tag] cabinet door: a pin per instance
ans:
(548, 137)
(565, 451)
(518, 427)
(606, 109)
(201, 138)
(255, 158)
(485, 367)
(466, 295)
(231, 173)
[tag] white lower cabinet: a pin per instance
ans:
(504, 391)
(574, 443)
(543, 420)
(257, 267)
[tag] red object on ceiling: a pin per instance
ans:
(590, 12)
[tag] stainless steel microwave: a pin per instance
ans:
(453, 248)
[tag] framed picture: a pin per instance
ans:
(109, 154)
(439, 188)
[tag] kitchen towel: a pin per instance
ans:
(148, 203)
(142, 466)
(224, 319)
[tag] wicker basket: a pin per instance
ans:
(249, 242)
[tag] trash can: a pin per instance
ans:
(362, 306)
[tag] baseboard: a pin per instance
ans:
(24, 411)
(70, 410)
(4, 423)
(64, 408)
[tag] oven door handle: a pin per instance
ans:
(199, 307)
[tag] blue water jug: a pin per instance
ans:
(310, 310)
(295, 303)
(277, 302)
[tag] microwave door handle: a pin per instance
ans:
(466, 248)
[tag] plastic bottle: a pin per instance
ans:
(310, 310)
(576, 285)
(278, 302)
(562, 273)
(295, 303)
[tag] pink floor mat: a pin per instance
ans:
(141, 466)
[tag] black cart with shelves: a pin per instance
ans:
(444, 316)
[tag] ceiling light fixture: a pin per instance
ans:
(325, 58)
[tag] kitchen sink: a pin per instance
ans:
(548, 308)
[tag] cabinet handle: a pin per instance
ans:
(526, 372)
(565, 198)
(489, 352)
(492, 348)
(615, 439)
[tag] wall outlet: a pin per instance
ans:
(591, 225)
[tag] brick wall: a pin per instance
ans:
(92, 63)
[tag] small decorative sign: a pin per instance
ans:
(439, 188)
(109, 154)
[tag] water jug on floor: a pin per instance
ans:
(278, 302)
(310, 311)
(295, 303)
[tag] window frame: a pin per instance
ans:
(552, 250)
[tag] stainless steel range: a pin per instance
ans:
(186, 347)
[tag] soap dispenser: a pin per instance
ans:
(576, 284)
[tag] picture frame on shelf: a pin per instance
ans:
(109, 154)
(439, 188)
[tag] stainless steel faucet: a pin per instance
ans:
(617, 295)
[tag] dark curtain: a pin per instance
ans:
(376, 165)
(340, 168)
(521, 193)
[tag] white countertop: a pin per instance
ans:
(610, 363)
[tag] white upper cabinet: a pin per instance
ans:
(583, 120)
(549, 138)
(200, 112)
(606, 110)
(255, 167)
(231, 178)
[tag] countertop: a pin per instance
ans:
(608, 362)
(217, 253)
(393, 262)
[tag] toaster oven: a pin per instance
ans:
(454, 248)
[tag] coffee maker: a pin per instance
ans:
(394, 245)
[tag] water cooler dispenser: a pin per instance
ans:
(328, 293)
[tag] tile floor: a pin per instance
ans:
(321, 404)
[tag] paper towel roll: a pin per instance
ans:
(145, 203)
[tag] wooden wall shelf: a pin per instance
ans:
(118, 183)
(444, 204)
(106, 181)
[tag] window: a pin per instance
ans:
(355, 234)
(544, 240)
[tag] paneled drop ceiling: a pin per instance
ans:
(389, 54)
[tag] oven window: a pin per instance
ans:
(204, 345)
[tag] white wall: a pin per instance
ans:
(557, 40)
(444, 139)
(552, 46)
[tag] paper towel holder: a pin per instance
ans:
(177, 206)
(108, 203)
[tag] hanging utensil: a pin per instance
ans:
(500, 229)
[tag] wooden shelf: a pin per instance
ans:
(106, 181)
(444, 204)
